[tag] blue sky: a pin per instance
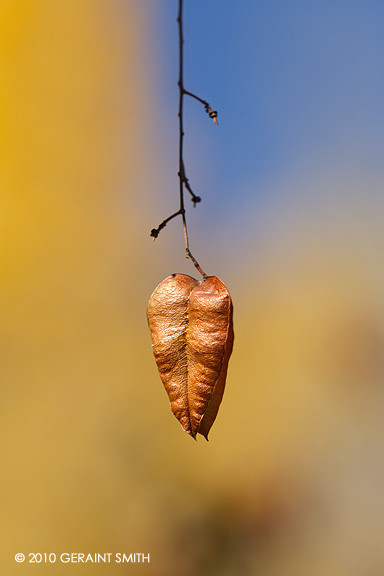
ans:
(299, 87)
(293, 81)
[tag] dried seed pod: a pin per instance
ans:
(192, 339)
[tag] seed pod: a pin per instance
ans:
(192, 339)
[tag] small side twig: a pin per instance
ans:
(212, 113)
(195, 199)
(156, 231)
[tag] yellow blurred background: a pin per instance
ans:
(92, 460)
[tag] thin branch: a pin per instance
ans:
(181, 132)
(183, 180)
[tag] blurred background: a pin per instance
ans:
(291, 219)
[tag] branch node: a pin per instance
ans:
(212, 114)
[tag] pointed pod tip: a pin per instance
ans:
(191, 434)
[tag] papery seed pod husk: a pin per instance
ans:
(191, 325)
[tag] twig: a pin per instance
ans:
(156, 231)
(183, 180)
(212, 113)
(195, 199)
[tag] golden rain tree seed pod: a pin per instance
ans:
(191, 327)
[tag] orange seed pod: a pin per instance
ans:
(192, 338)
